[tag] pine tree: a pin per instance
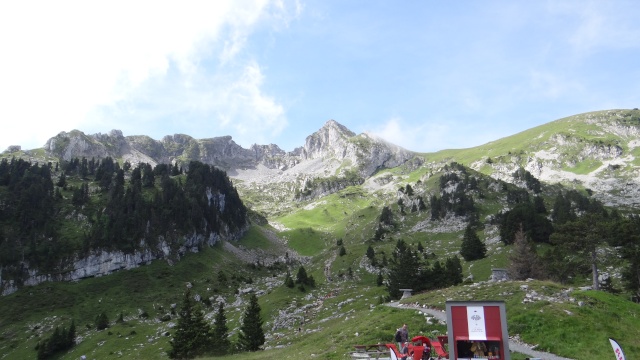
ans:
(301, 277)
(524, 261)
(584, 237)
(251, 336)
(71, 335)
(472, 247)
(371, 254)
(288, 280)
(220, 343)
(190, 338)
(62, 181)
(453, 271)
(102, 322)
(404, 272)
(628, 244)
(61, 340)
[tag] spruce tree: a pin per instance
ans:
(583, 238)
(404, 272)
(472, 247)
(301, 277)
(371, 254)
(102, 322)
(288, 280)
(628, 244)
(251, 335)
(190, 338)
(524, 262)
(220, 335)
(71, 335)
(453, 270)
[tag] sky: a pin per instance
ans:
(425, 75)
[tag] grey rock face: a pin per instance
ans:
(100, 263)
(332, 143)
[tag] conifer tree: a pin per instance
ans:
(371, 254)
(71, 335)
(584, 237)
(301, 277)
(60, 340)
(628, 244)
(404, 272)
(251, 336)
(524, 261)
(453, 271)
(288, 280)
(102, 322)
(438, 276)
(472, 247)
(191, 336)
(220, 343)
(62, 181)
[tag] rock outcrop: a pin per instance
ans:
(102, 262)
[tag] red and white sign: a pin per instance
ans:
(478, 321)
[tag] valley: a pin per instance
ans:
(307, 206)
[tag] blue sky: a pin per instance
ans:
(425, 75)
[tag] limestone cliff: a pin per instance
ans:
(332, 146)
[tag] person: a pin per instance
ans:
(402, 335)
(404, 350)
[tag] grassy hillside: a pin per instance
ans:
(341, 314)
(346, 307)
(326, 321)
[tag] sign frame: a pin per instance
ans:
(484, 321)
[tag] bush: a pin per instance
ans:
(102, 322)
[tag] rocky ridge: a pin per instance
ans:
(326, 150)
(594, 150)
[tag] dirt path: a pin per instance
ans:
(514, 344)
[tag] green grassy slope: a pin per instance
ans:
(340, 312)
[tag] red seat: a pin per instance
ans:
(438, 346)
(416, 350)
(422, 340)
(394, 351)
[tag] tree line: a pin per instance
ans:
(119, 207)
(560, 245)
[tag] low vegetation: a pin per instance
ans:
(335, 261)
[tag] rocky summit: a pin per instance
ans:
(596, 151)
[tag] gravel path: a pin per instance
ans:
(514, 344)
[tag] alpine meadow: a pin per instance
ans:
(129, 247)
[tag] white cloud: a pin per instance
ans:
(427, 137)
(63, 60)
(242, 106)
(597, 25)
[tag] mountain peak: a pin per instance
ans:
(332, 125)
